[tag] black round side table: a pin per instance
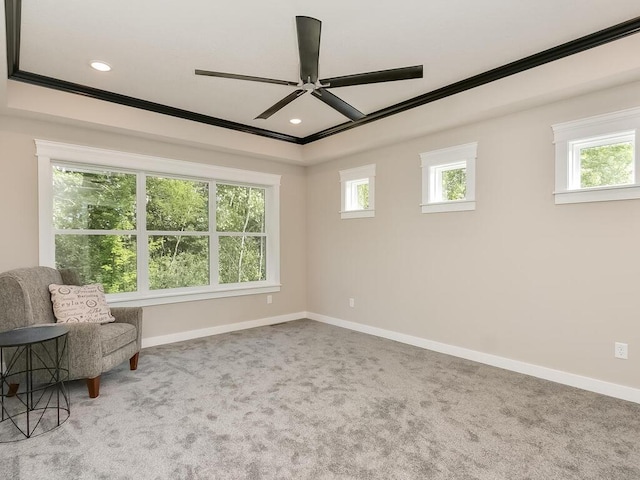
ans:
(34, 366)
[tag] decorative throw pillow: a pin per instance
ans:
(85, 304)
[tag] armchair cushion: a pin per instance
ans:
(80, 304)
(115, 336)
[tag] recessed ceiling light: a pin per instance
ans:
(295, 121)
(100, 66)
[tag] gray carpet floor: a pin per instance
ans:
(304, 400)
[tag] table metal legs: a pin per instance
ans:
(41, 401)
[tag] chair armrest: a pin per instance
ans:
(85, 350)
(131, 315)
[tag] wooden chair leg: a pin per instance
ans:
(13, 389)
(133, 362)
(93, 384)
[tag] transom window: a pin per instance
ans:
(357, 195)
(358, 192)
(448, 179)
(157, 235)
(449, 182)
(596, 158)
(605, 161)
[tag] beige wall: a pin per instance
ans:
(19, 220)
(519, 277)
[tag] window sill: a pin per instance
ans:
(602, 194)
(162, 298)
(358, 214)
(452, 206)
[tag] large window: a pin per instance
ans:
(155, 230)
(596, 158)
(448, 179)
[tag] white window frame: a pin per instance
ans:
(570, 137)
(435, 162)
(51, 154)
(350, 179)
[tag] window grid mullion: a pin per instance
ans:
(636, 159)
(214, 243)
(175, 233)
(82, 231)
(242, 234)
(143, 236)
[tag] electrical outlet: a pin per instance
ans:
(269, 298)
(621, 350)
(352, 302)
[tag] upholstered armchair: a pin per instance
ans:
(93, 348)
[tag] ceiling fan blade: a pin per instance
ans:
(308, 47)
(244, 77)
(337, 104)
(404, 73)
(282, 103)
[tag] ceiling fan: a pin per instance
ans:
(309, 49)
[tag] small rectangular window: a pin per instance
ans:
(596, 158)
(449, 182)
(357, 195)
(448, 179)
(602, 161)
(358, 192)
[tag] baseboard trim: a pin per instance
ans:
(217, 330)
(578, 381)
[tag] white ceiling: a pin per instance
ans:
(154, 47)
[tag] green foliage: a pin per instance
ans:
(606, 165)
(106, 259)
(96, 201)
(241, 210)
(178, 261)
(454, 184)
(363, 196)
(178, 257)
(242, 259)
(177, 205)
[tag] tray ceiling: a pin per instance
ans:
(154, 47)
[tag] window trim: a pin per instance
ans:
(448, 159)
(568, 135)
(365, 172)
(55, 153)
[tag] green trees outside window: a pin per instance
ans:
(178, 211)
(363, 195)
(357, 194)
(454, 184)
(240, 222)
(94, 215)
(606, 165)
(97, 230)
